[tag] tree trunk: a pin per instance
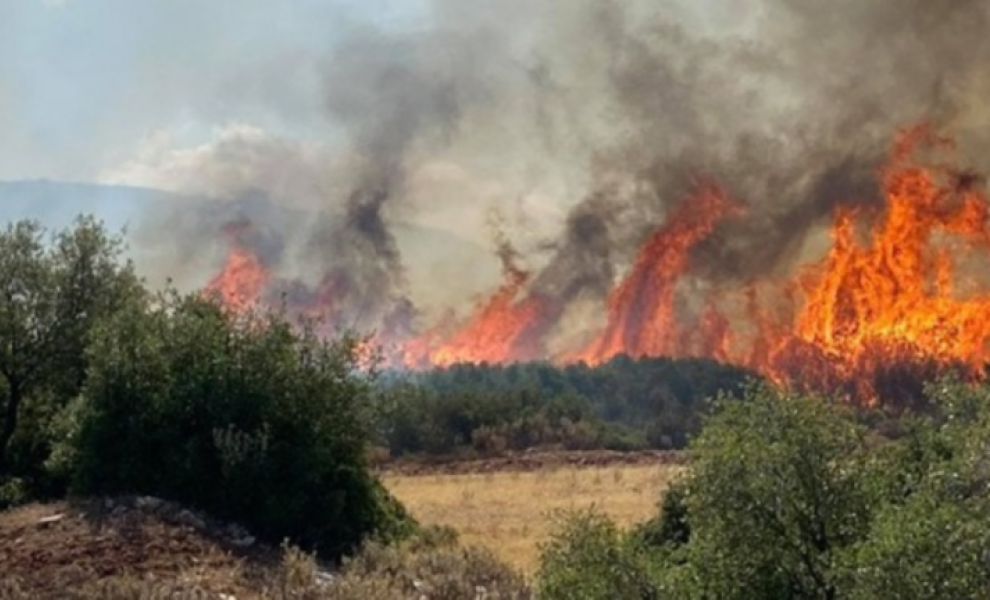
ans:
(14, 396)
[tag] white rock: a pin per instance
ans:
(149, 502)
(186, 517)
(45, 521)
(243, 542)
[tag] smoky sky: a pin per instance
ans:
(609, 113)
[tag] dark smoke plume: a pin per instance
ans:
(793, 116)
(612, 110)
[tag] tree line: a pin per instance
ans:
(624, 404)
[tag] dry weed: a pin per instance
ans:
(507, 511)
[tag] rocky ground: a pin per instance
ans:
(56, 550)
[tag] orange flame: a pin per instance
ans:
(897, 292)
(641, 312)
(893, 299)
(500, 331)
(244, 277)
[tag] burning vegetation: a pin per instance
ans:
(899, 294)
(244, 277)
(719, 190)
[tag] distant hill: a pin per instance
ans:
(55, 204)
(430, 254)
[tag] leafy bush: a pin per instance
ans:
(774, 494)
(56, 288)
(788, 497)
(588, 557)
(930, 535)
(924, 549)
(670, 528)
(621, 438)
(247, 418)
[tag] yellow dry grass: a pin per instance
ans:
(509, 512)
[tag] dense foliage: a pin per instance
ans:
(54, 288)
(248, 418)
(111, 390)
(624, 404)
(790, 497)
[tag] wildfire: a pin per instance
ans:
(894, 295)
(243, 278)
(499, 331)
(893, 300)
(641, 312)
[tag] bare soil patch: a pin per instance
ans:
(52, 550)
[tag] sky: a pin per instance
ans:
(85, 84)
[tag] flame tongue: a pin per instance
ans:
(641, 315)
(890, 301)
(244, 277)
(500, 331)
(894, 297)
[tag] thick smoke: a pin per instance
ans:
(609, 112)
(388, 95)
(793, 113)
(857, 71)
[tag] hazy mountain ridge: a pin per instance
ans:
(152, 235)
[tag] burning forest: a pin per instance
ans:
(813, 212)
(900, 288)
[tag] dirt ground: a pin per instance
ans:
(51, 550)
(529, 461)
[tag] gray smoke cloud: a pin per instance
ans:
(390, 94)
(606, 113)
(792, 112)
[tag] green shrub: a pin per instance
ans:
(579, 435)
(588, 557)
(58, 286)
(670, 528)
(250, 419)
(926, 549)
(930, 534)
(620, 438)
(787, 497)
(775, 493)
(13, 492)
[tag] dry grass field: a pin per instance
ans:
(510, 511)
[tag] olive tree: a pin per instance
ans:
(774, 496)
(251, 418)
(53, 288)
